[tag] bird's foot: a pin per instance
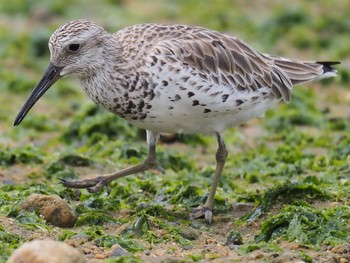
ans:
(92, 185)
(202, 211)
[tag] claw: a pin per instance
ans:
(202, 211)
(208, 215)
(81, 183)
(97, 187)
(92, 185)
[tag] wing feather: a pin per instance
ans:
(226, 60)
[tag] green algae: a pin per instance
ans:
(100, 238)
(64, 167)
(264, 246)
(31, 220)
(124, 259)
(234, 238)
(93, 218)
(24, 155)
(75, 160)
(286, 193)
(91, 120)
(301, 111)
(8, 242)
(308, 226)
(59, 170)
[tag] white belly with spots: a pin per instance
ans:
(185, 102)
(208, 116)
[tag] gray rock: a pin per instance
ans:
(118, 251)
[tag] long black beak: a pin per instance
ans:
(51, 75)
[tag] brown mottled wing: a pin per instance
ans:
(228, 61)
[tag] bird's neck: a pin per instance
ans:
(117, 80)
(111, 88)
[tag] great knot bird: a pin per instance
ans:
(171, 79)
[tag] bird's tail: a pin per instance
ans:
(328, 70)
(304, 71)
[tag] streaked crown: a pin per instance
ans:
(77, 44)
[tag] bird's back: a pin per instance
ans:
(191, 79)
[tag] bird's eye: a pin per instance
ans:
(73, 47)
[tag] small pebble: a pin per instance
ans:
(46, 251)
(81, 236)
(259, 255)
(242, 207)
(53, 209)
(189, 233)
(78, 239)
(9, 182)
(100, 256)
(187, 247)
(292, 246)
(118, 251)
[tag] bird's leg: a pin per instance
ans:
(96, 184)
(206, 209)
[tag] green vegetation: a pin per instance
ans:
(293, 168)
(307, 225)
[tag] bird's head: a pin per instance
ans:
(77, 48)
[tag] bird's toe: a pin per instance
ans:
(202, 211)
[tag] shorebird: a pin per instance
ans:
(171, 78)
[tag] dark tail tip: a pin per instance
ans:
(327, 65)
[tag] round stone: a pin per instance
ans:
(46, 251)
